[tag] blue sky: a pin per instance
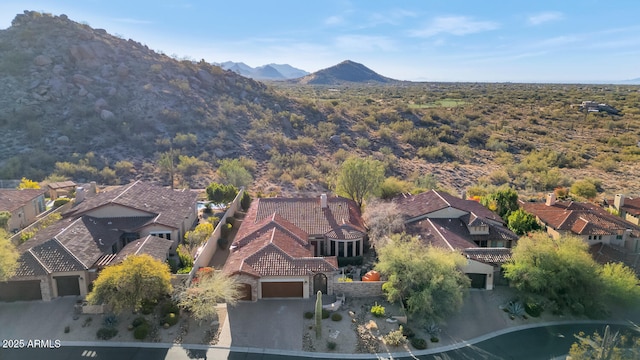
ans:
(422, 40)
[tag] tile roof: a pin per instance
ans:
(413, 206)
(169, 207)
(631, 205)
(606, 253)
(61, 185)
(579, 218)
(13, 199)
(29, 265)
(57, 258)
(157, 247)
(493, 256)
(306, 213)
(454, 234)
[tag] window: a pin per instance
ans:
(164, 234)
(618, 237)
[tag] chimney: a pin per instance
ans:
(93, 188)
(463, 195)
(323, 201)
(80, 194)
(551, 199)
(618, 201)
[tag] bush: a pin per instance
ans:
(171, 319)
(533, 309)
(141, 332)
(308, 315)
(377, 310)
(395, 337)
(60, 201)
(222, 243)
(110, 320)
(331, 345)
(434, 339)
(336, 317)
(408, 332)
(168, 308)
(148, 306)
(245, 201)
(67, 329)
(138, 321)
(185, 270)
(106, 333)
(346, 261)
(419, 343)
(325, 314)
(225, 230)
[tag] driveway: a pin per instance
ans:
(273, 324)
(36, 319)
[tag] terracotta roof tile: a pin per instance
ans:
(606, 253)
(493, 256)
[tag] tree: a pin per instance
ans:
(8, 257)
(359, 178)
(383, 219)
(428, 278)
(233, 172)
(5, 216)
(166, 163)
(584, 188)
(207, 289)
(522, 222)
(502, 201)
(197, 236)
(318, 314)
(220, 193)
(392, 187)
(28, 184)
(609, 346)
(126, 285)
(560, 270)
(620, 283)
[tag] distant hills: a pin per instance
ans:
(345, 72)
(265, 72)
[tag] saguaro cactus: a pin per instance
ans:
(319, 314)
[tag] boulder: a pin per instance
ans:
(335, 139)
(64, 139)
(81, 79)
(122, 70)
(42, 60)
(100, 103)
(83, 92)
(106, 115)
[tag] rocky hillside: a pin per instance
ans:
(345, 72)
(68, 89)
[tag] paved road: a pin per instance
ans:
(535, 343)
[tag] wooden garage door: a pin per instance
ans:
(20, 290)
(68, 285)
(282, 290)
(478, 281)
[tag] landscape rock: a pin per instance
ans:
(106, 115)
(42, 60)
(81, 79)
(64, 139)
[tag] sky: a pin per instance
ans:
(422, 40)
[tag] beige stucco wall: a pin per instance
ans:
(25, 215)
(477, 267)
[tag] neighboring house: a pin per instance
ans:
(58, 189)
(280, 248)
(446, 221)
(590, 222)
(65, 258)
(627, 208)
(24, 205)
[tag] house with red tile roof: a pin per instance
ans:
(589, 221)
(626, 207)
(288, 247)
(64, 258)
(446, 221)
(24, 205)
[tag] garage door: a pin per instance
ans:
(478, 281)
(282, 290)
(67, 285)
(20, 290)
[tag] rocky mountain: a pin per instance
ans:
(68, 90)
(345, 72)
(264, 72)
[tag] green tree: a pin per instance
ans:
(209, 288)
(521, 222)
(126, 285)
(609, 346)
(561, 270)
(28, 184)
(166, 163)
(197, 236)
(8, 257)
(584, 188)
(502, 201)
(5, 216)
(620, 283)
(428, 278)
(359, 178)
(220, 193)
(392, 187)
(233, 172)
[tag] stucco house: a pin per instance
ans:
(61, 188)
(626, 207)
(24, 205)
(465, 226)
(288, 247)
(65, 258)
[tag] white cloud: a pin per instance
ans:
(544, 17)
(394, 17)
(364, 43)
(334, 20)
(455, 25)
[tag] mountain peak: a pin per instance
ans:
(347, 71)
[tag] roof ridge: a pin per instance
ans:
(439, 233)
(70, 253)
(141, 245)
(125, 190)
(443, 199)
(67, 227)
(39, 262)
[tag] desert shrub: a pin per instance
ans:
(138, 321)
(110, 320)
(60, 201)
(343, 279)
(168, 308)
(419, 343)
(395, 337)
(186, 260)
(171, 319)
(336, 317)
(434, 339)
(106, 333)
(408, 332)
(141, 332)
(308, 315)
(533, 309)
(325, 314)
(245, 201)
(185, 270)
(67, 329)
(377, 310)
(148, 306)
(331, 345)
(226, 230)
(222, 243)
(354, 260)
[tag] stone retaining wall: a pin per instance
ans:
(358, 289)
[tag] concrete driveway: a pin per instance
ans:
(272, 324)
(36, 319)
